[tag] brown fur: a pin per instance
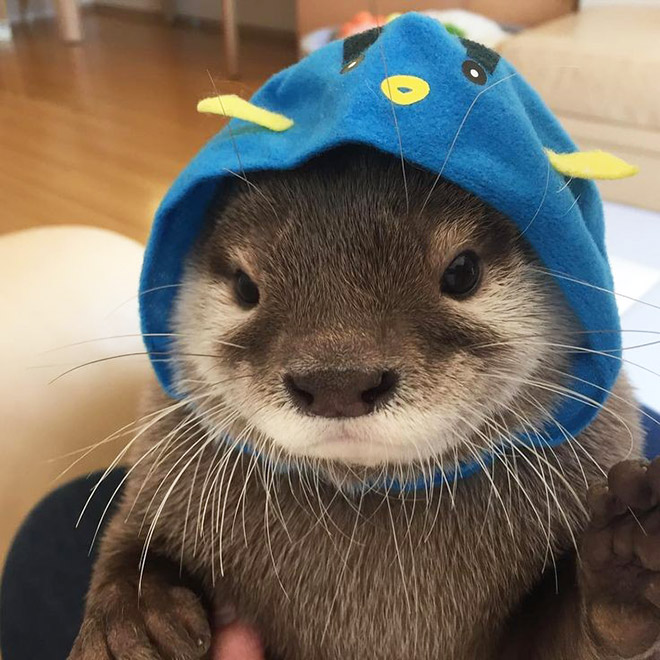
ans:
(323, 569)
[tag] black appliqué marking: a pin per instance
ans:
(355, 47)
(474, 72)
(485, 56)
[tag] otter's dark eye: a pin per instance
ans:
(474, 72)
(462, 275)
(247, 292)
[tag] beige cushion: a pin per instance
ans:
(598, 70)
(603, 62)
(60, 285)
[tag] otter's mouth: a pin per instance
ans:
(369, 441)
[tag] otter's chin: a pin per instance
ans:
(376, 440)
(358, 452)
(340, 443)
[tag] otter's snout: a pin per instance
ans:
(340, 393)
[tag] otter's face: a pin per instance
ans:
(330, 313)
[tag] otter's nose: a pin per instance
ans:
(335, 393)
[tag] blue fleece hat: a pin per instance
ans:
(449, 105)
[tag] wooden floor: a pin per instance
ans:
(94, 134)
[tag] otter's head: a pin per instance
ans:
(338, 312)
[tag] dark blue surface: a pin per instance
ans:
(47, 571)
(651, 422)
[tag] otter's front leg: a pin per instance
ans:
(620, 569)
(165, 619)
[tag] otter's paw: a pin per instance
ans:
(620, 570)
(165, 623)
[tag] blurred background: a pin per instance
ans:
(97, 116)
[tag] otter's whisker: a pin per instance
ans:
(542, 202)
(188, 507)
(569, 278)
(398, 555)
(344, 567)
(154, 523)
(578, 500)
(229, 128)
(395, 120)
(197, 436)
(567, 436)
(477, 454)
(114, 494)
(267, 484)
(256, 189)
(109, 338)
(458, 132)
(199, 530)
(144, 292)
(227, 453)
(504, 438)
(155, 355)
(253, 458)
(115, 435)
(238, 460)
(171, 439)
(613, 395)
(121, 454)
(565, 393)
(119, 486)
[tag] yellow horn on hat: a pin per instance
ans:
(230, 105)
(591, 165)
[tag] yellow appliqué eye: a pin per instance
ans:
(405, 90)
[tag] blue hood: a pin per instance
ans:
(461, 111)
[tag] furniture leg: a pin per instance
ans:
(68, 13)
(231, 36)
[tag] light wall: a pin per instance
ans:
(29, 10)
(597, 3)
(272, 14)
(313, 14)
(306, 15)
(5, 29)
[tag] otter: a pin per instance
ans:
(341, 334)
